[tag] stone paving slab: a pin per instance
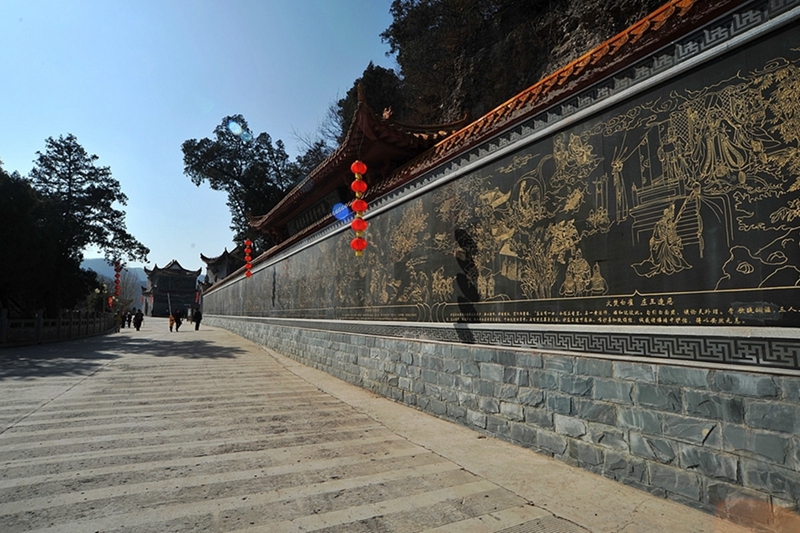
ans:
(153, 431)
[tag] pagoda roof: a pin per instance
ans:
(173, 267)
(382, 143)
(671, 21)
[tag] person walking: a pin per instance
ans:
(178, 320)
(171, 322)
(138, 319)
(198, 316)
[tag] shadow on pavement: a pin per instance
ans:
(82, 357)
(179, 347)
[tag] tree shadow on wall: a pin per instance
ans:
(468, 293)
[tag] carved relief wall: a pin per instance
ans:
(681, 207)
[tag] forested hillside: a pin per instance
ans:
(469, 56)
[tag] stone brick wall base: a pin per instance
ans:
(724, 441)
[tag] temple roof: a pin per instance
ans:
(237, 254)
(173, 267)
(379, 141)
(382, 139)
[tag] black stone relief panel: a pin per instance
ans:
(680, 207)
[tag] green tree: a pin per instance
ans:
(383, 90)
(459, 56)
(33, 275)
(79, 198)
(86, 195)
(254, 172)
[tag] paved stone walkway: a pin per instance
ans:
(154, 431)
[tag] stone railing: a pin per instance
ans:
(68, 325)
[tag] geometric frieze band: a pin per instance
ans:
(764, 352)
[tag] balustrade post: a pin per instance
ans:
(4, 326)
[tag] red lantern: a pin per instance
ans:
(247, 257)
(358, 244)
(358, 167)
(359, 224)
(359, 186)
(359, 205)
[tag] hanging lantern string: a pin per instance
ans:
(359, 206)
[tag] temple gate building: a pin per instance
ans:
(170, 288)
(605, 268)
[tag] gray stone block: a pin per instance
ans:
(456, 412)
(576, 385)
(528, 360)
(639, 419)
(790, 387)
(607, 437)
(772, 479)
(470, 368)
(446, 380)
(770, 446)
(468, 400)
(691, 430)
(543, 379)
(559, 363)
(483, 355)
(594, 367)
(654, 448)
(714, 406)
(512, 411)
(522, 434)
(622, 466)
(491, 372)
(463, 383)
(709, 462)
(638, 372)
(476, 419)
(559, 403)
(497, 426)
(613, 390)
(451, 366)
(505, 392)
(585, 454)
(683, 376)
(488, 404)
(572, 427)
(773, 416)
(658, 397)
(594, 411)
(515, 376)
(528, 396)
(504, 357)
(538, 417)
(740, 383)
(735, 503)
(449, 395)
(674, 480)
(483, 387)
(551, 442)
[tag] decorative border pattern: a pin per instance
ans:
(760, 352)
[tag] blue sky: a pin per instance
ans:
(133, 79)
